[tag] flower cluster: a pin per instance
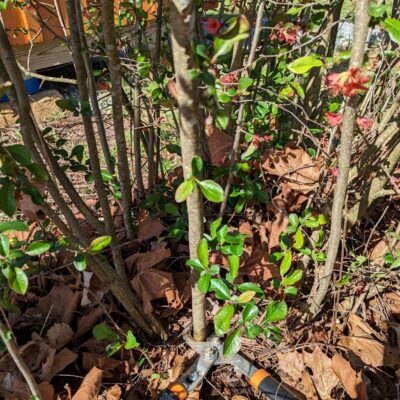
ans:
(335, 119)
(348, 83)
(213, 26)
(230, 79)
(285, 33)
(257, 139)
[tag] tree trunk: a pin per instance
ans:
(114, 66)
(349, 117)
(183, 31)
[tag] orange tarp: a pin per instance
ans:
(28, 25)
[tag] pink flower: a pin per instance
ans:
(334, 171)
(103, 86)
(257, 139)
(334, 119)
(285, 33)
(213, 26)
(348, 83)
(365, 124)
(230, 79)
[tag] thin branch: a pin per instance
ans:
(18, 360)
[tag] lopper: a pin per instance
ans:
(210, 353)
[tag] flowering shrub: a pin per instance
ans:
(348, 83)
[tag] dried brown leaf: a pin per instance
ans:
(292, 366)
(350, 379)
(323, 377)
(87, 321)
(278, 225)
(55, 363)
(294, 167)
(143, 261)
(61, 302)
(46, 390)
(149, 228)
(153, 284)
(371, 351)
(59, 335)
(90, 385)
(219, 145)
(114, 393)
(90, 360)
(309, 388)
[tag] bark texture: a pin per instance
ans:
(183, 31)
(356, 61)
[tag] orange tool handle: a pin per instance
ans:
(265, 383)
(174, 392)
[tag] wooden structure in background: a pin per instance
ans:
(38, 33)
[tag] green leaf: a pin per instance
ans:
(184, 190)
(393, 27)
(195, 264)
(221, 234)
(239, 29)
(294, 219)
(286, 263)
(172, 209)
(204, 282)
(303, 64)
(233, 262)
(322, 219)
(395, 264)
(377, 10)
(4, 245)
(276, 311)
(246, 296)
(244, 287)
(214, 226)
(197, 165)
(211, 190)
(103, 332)
(7, 201)
(245, 82)
(214, 269)
(291, 291)
(252, 331)
(131, 342)
(292, 278)
(17, 226)
(37, 248)
(68, 104)
(20, 154)
(298, 240)
(202, 252)
(224, 98)
(18, 280)
(298, 88)
(38, 172)
(222, 319)
(232, 343)
(80, 262)
(221, 290)
(250, 312)
(174, 149)
(99, 244)
(77, 152)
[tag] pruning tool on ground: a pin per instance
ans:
(210, 353)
